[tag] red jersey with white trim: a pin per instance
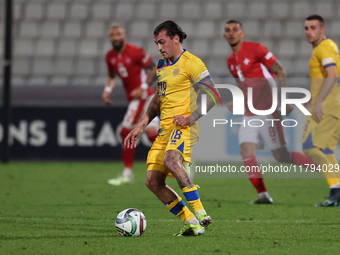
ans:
(250, 67)
(129, 65)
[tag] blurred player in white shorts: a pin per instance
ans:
(271, 133)
(137, 71)
(253, 65)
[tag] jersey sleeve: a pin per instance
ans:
(143, 59)
(326, 55)
(197, 71)
(265, 56)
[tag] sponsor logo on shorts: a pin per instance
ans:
(173, 142)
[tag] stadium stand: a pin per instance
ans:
(62, 43)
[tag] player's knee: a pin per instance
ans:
(248, 149)
(153, 185)
(246, 153)
(308, 152)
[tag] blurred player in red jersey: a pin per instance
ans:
(130, 63)
(253, 65)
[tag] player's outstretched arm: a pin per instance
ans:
(152, 111)
(152, 73)
(141, 92)
(280, 73)
(110, 85)
(209, 86)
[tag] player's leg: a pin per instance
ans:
(178, 151)
(157, 173)
(130, 119)
(249, 140)
(254, 173)
(319, 140)
(173, 162)
(276, 141)
(334, 162)
(156, 183)
(293, 157)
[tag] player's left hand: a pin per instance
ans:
(137, 93)
(289, 109)
(318, 110)
(181, 120)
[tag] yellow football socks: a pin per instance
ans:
(178, 208)
(192, 196)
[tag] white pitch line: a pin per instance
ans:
(160, 220)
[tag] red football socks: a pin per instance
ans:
(255, 176)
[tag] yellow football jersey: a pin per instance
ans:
(176, 91)
(324, 55)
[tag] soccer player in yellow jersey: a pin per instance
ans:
(323, 126)
(180, 75)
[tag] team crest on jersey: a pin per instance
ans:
(246, 61)
(176, 72)
(128, 60)
(232, 67)
(113, 61)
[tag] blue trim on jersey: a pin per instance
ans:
(308, 144)
(191, 195)
(177, 208)
(331, 64)
(167, 60)
(161, 63)
(327, 151)
(204, 79)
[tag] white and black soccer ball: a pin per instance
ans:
(130, 222)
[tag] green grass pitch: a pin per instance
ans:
(68, 208)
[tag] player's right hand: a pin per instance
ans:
(130, 141)
(318, 110)
(230, 106)
(106, 98)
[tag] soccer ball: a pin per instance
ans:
(130, 222)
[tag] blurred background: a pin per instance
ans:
(59, 68)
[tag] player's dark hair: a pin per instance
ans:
(171, 29)
(234, 21)
(316, 17)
